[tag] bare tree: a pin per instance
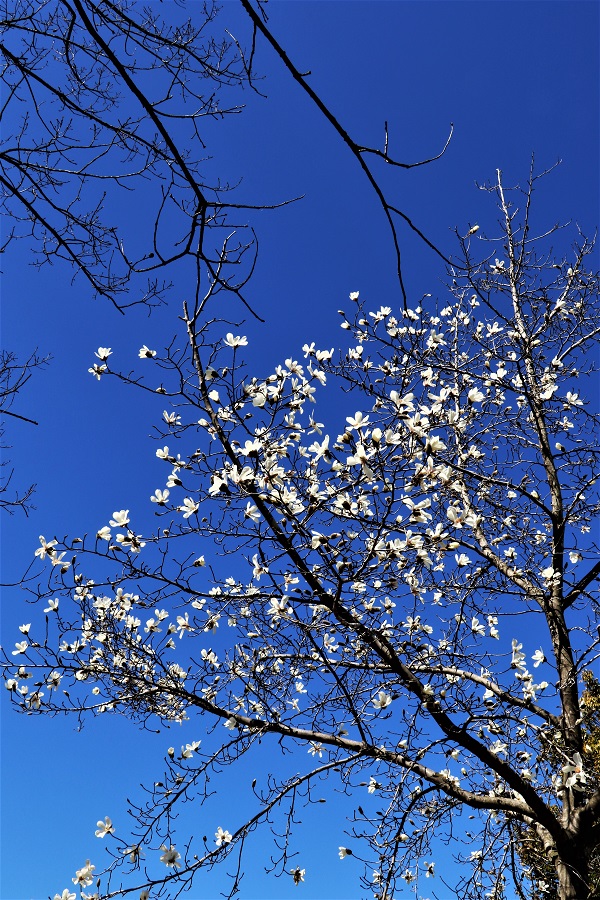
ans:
(101, 100)
(14, 375)
(420, 606)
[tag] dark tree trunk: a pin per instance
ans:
(573, 878)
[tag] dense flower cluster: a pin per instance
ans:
(377, 573)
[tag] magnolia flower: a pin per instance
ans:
(104, 533)
(132, 541)
(354, 295)
(573, 399)
(434, 444)
(183, 625)
(146, 353)
(52, 606)
(475, 396)
(429, 869)
(170, 857)
(382, 700)
(320, 450)
(189, 507)
(120, 518)
(457, 516)
(518, 658)
(47, 548)
(97, 371)
(498, 747)
(360, 458)
(103, 353)
(210, 656)
(236, 341)
(315, 749)
(462, 559)
(84, 875)
(251, 512)
(575, 776)
(174, 480)
(160, 497)
(59, 560)
(104, 827)
(358, 420)
(477, 627)
(66, 895)
(298, 875)
(435, 339)
(344, 851)
(222, 837)
(417, 510)
(20, 647)
(188, 751)
(538, 657)
(575, 556)
(373, 785)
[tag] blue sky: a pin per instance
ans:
(514, 78)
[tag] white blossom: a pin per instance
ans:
(382, 700)
(104, 827)
(189, 507)
(573, 774)
(170, 857)
(538, 657)
(222, 837)
(236, 341)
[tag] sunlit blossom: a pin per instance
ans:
(46, 549)
(538, 657)
(170, 857)
(105, 827)
(84, 876)
(382, 700)
(222, 837)
(189, 508)
(120, 518)
(574, 775)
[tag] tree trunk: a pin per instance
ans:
(573, 878)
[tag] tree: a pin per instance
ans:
(102, 100)
(411, 600)
(14, 375)
(375, 586)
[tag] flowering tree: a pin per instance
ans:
(407, 594)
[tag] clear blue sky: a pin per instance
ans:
(514, 77)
